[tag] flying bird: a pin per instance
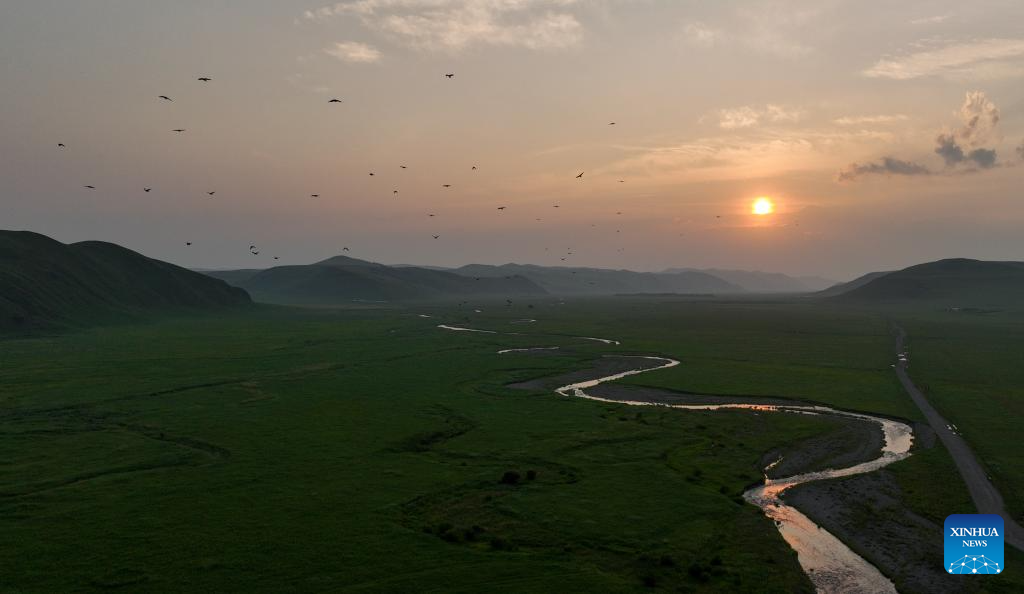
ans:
(204, 78)
(314, 195)
(147, 190)
(178, 130)
(474, 168)
(371, 174)
(60, 145)
(611, 123)
(555, 206)
(165, 97)
(211, 193)
(394, 192)
(91, 187)
(276, 258)
(430, 215)
(450, 75)
(436, 236)
(501, 208)
(345, 249)
(622, 181)
(446, 185)
(188, 243)
(403, 166)
(580, 176)
(335, 101)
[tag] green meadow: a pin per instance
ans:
(366, 450)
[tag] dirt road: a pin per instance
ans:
(986, 497)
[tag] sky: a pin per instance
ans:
(885, 134)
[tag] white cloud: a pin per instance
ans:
(747, 116)
(956, 60)
(701, 35)
(871, 119)
(454, 25)
(354, 52)
(932, 20)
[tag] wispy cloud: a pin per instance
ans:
(771, 27)
(353, 52)
(870, 119)
(454, 25)
(747, 116)
(957, 60)
(701, 35)
(932, 20)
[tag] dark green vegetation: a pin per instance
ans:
(956, 283)
(341, 280)
(290, 450)
(45, 284)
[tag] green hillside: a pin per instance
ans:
(45, 283)
(956, 282)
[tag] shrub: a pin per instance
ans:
(531, 475)
(510, 477)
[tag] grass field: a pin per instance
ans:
(363, 450)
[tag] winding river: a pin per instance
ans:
(831, 565)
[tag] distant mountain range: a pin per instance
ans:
(45, 283)
(600, 281)
(342, 280)
(756, 281)
(957, 282)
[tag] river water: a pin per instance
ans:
(831, 565)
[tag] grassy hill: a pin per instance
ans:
(45, 283)
(342, 279)
(756, 281)
(955, 283)
(599, 281)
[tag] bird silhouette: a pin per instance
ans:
(276, 258)
(622, 181)
(403, 166)
(211, 193)
(91, 187)
(147, 190)
(611, 123)
(474, 168)
(501, 208)
(165, 97)
(178, 130)
(431, 214)
(450, 75)
(335, 101)
(188, 243)
(60, 145)
(446, 185)
(314, 195)
(580, 176)
(371, 174)
(556, 206)
(394, 191)
(436, 236)
(204, 78)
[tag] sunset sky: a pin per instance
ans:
(884, 133)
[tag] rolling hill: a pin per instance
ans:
(955, 282)
(45, 283)
(600, 281)
(342, 279)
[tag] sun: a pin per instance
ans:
(762, 206)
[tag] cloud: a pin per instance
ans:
(872, 119)
(932, 20)
(454, 25)
(965, 144)
(963, 149)
(746, 116)
(701, 35)
(956, 60)
(353, 52)
(884, 166)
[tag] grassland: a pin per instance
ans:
(363, 450)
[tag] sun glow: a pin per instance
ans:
(762, 206)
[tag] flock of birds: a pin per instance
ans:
(436, 236)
